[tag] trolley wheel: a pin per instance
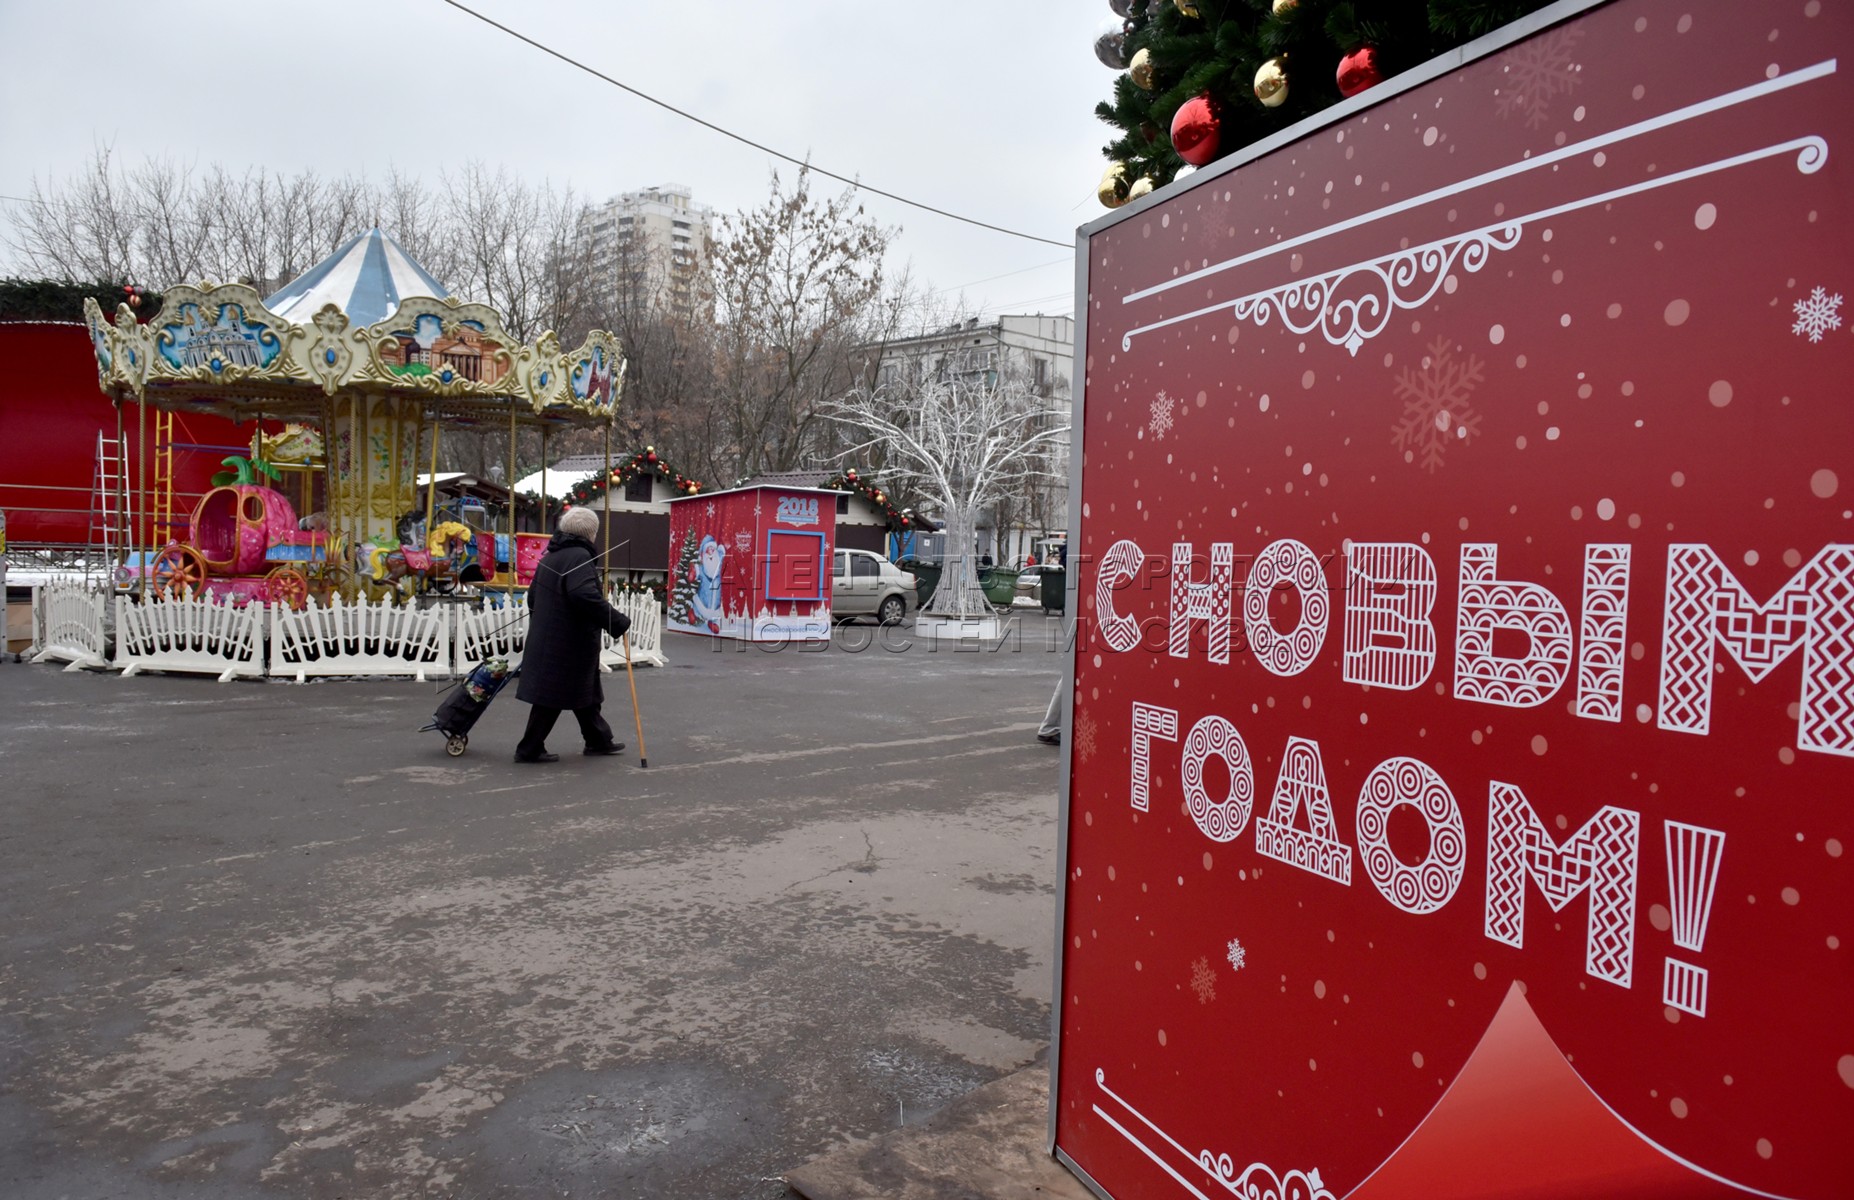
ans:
(456, 744)
(289, 585)
(177, 571)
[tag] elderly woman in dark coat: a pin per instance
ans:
(560, 664)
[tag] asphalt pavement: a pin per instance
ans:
(267, 940)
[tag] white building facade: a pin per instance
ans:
(1035, 348)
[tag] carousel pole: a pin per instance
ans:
(141, 487)
(605, 560)
(512, 500)
(545, 497)
(120, 501)
(328, 489)
(431, 485)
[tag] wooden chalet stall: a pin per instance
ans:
(632, 495)
(867, 517)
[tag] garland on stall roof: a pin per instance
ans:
(645, 461)
(847, 481)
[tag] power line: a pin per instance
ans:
(1006, 275)
(688, 116)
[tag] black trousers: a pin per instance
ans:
(541, 720)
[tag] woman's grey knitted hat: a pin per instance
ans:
(581, 522)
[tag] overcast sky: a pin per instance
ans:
(981, 107)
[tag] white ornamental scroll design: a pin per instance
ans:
(1354, 303)
(1257, 1181)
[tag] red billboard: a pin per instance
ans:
(1460, 773)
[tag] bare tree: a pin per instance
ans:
(962, 444)
(84, 229)
(512, 241)
(796, 281)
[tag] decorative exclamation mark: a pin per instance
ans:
(1693, 855)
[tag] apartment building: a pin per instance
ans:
(654, 245)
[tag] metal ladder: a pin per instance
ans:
(111, 509)
(163, 498)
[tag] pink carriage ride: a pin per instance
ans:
(244, 543)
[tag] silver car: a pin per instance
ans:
(863, 584)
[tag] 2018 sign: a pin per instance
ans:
(1459, 777)
(797, 510)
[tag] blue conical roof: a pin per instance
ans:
(366, 279)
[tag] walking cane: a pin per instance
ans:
(643, 757)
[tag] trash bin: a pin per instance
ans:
(1055, 589)
(999, 584)
(926, 577)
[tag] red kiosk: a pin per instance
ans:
(753, 563)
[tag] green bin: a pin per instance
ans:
(926, 577)
(1055, 589)
(1000, 585)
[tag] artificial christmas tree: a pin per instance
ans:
(683, 583)
(1234, 54)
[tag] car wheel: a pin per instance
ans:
(893, 609)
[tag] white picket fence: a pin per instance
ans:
(645, 634)
(202, 635)
(498, 632)
(197, 634)
(503, 633)
(374, 638)
(67, 625)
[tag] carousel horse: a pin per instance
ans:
(448, 549)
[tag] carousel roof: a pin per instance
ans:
(366, 321)
(366, 279)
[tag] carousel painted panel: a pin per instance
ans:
(223, 334)
(122, 349)
(443, 347)
(595, 374)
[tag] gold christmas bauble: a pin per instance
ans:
(1186, 8)
(1271, 82)
(1113, 189)
(1141, 68)
(1281, 6)
(1140, 187)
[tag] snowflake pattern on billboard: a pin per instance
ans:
(1203, 980)
(1816, 314)
(1085, 734)
(1436, 411)
(1238, 956)
(1536, 73)
(1161, 421)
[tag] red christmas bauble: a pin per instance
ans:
(1358, 71)
(1197, 129)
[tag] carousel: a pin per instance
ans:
(365, 362)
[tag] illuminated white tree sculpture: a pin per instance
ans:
(959, 444)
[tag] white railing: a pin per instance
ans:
(67, 625)
(645, 634)
(374, 638)
(197, 634)
(492, 633)
(503, 633)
